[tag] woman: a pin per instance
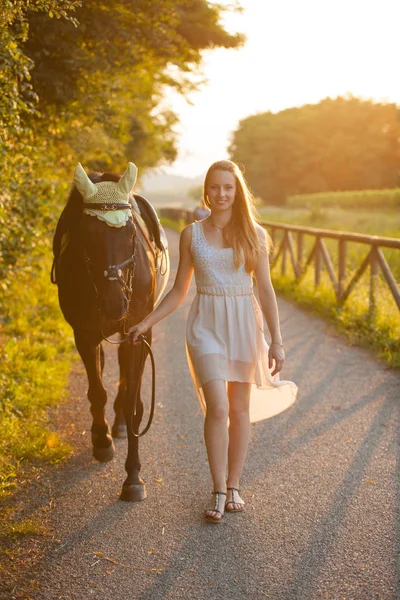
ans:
(234, 371)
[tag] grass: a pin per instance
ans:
(176, 225)
(379, 332)
(25, 527)
(35, 360)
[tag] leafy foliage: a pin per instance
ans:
(18, 98)
(341, 144)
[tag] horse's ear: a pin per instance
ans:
(128, 179)
(85, 187)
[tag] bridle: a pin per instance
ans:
(114, 273)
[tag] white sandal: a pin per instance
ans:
(210, 518)
(233, 501)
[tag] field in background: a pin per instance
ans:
(384, 222)
(362, 199)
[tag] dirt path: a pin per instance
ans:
(320, 485)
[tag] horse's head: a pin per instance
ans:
(108, 237)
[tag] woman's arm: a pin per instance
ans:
(179, 291)
(269, 305)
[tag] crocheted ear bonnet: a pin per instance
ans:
(107, 192)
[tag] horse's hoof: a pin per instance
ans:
(135, 492)
(104, 455)
(119, 431)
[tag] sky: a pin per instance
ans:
(297, 52)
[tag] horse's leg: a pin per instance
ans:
(119, 425)
(102, 358)
(133, 489)
(91, 354)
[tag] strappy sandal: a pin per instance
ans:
(210, 518)
(233, 501)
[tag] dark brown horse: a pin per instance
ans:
(110, 269)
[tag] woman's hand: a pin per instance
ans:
(138, 330)
(276, 353)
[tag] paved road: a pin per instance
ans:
(320, 485)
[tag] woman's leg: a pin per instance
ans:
(239, 434)
(216, 437)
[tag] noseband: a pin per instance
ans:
(114, 272)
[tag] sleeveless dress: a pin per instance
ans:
(224, 335)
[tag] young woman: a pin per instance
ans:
(234, 371)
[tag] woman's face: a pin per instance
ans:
(221, 190)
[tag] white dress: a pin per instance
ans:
(224, 336)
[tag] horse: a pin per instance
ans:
(111, 266)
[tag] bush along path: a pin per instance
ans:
(35, 358)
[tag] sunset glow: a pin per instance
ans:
(297, 52)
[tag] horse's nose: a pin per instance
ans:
(115, 303)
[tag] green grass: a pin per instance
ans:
(18, 529)
(176, 225)
(379, 332)
(35, 360)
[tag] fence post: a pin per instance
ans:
(317, 262)
(374, 270)
(300, 247)
(273, 236)
(284, 248)
(342, 269)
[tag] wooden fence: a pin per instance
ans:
(292, 247)
(319, 257)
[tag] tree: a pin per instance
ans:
(107, 75)
(17, 97)
(340, 144)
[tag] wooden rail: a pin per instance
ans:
(294, 250)
(319, 255)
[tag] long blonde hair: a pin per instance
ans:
(240, 233)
